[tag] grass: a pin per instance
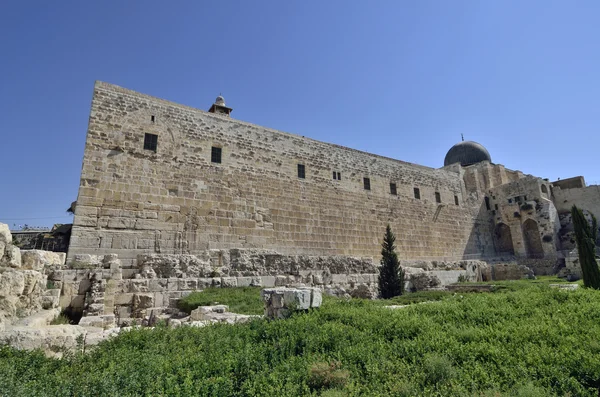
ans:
(526, 339)
(243, 300)
(60, 320)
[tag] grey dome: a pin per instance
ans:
(467, 153)
(220, 100)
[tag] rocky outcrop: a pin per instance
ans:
(281, 302)
(23, 283)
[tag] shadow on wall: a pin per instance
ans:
(480, 243)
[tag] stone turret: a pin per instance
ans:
(219, 107)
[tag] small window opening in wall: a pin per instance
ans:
(525, 198)
(393, 189)
(152, 118)
(509, 201)
(417, 193)
(487, 203)
(301, 171)
(496, 207)
(150, 142)
(215, 154)
(367, 183)
(337, 176)
(455, 200)
(544, 189)
(438, 198)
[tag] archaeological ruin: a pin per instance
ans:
(174, 199)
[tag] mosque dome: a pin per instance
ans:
(220, 101)
(467, 153)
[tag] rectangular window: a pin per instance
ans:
(367, 183)
(215, 154)
(301, 173)
(496, 207)
(334, 175)
(438, 198)
(417, 193)
(339, 176)
(152, 118)
(509, 201)
(455, 200)
(150, 142)
(487, 203)
(393, 189)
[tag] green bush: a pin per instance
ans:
(327, 375)
(242, 300)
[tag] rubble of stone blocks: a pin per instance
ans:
(281, 302)
(218, 314)
(24, 288)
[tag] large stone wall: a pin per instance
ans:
(133, 201)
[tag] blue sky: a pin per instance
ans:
(398, 78)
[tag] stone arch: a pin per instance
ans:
(544, 189)
(504, 243)
(532, 240)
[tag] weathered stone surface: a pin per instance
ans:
(38, 260)
(12, 256)
(203, 313)
(280, 302)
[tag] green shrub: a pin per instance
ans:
(61, 319)
(327, 375)
(526, 339)
(438, 369)
(242, 300)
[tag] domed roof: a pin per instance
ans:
(467, 153)
(220, 100)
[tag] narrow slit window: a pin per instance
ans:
(455, 200)
(417, 193)
(215, 154)
(301, 171)
(487, 203)
(334, 175)
(367, 183)
(393, 189)
(438, 197)
(150, 142)
(152, 118)
(339, 175)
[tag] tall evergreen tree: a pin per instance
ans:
(391, 275)
(586, 247)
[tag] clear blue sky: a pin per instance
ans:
(398, 78)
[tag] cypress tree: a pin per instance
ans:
(586, 247)
(391, 275)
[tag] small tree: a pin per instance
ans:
(586, 247)
(391, 275)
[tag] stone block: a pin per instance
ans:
(157, 285)
(268, 281)
(339, 278)
(187, 284)
(123, 298)
(138, 285)
(143, 301)
(244, 281)
(228, 282)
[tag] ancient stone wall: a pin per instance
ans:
(133, 201)
(587, 198)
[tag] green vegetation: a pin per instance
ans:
(391, 275)
(61, 319)
(525, 339)
(243, 300)
(586, 235)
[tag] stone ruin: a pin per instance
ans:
(102, 298)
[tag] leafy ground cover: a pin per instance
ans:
(243, 300)
(529, 340)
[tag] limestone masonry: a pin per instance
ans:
(174, 199)
(159, 177)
